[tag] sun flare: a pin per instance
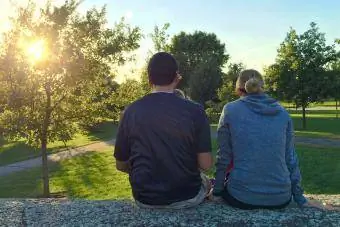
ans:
(36, 50)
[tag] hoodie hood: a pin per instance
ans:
(262, 104)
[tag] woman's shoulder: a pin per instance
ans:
(232, 105)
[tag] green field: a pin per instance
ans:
(93, 176)
(322, 104)
(320, 124)
(11, 152)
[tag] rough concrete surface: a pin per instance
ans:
(125, 213)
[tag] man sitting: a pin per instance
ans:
(164, 142)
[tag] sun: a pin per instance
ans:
(36, 50)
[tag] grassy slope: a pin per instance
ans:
(19, 151)
(93, 176)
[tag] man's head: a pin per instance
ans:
(163, 70)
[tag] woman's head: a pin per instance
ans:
(249, 81)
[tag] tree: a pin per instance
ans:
(201, 57)
(128, 92)
(160, 40)
(51, 67)
(226, 92)
(333, 79)
(300, 67)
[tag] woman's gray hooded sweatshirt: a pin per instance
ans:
(257, 132)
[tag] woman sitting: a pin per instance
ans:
(256, 132)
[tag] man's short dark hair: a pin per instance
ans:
(162, 69)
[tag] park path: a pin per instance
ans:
(69, 153)
(99, 146)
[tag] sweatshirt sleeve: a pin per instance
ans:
(224, 152)
(293, 166)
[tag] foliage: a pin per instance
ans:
(201, 57)
(333, 83)
(44, 96)
(160, 40)
(128, 92)
(226, 92)
(213, 115)
(298, 73)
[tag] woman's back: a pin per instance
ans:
(258, 127)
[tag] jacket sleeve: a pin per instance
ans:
(224, 152)
(293, 166)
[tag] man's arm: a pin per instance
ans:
(122, 148)
(224, 152)
(205, 161)
(123, 166)
(204, 157)
(293, 166)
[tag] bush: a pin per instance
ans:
(213, 115)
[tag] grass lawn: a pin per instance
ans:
(19, 151)
(93, 176)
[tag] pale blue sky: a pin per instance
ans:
(251, 29)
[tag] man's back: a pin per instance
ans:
(164, 134)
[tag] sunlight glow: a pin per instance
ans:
(36, 50)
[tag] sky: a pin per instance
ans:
(252, 30)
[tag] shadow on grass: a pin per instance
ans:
(26, 184)
(92, 176)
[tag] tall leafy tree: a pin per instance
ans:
(300, 67)
(160, 40)
(127, 92)
(226, 92)
(201, 57)
(51, 67)
(333, 84)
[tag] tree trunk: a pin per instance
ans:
(44, 136)
(304, 117)
(46, 183)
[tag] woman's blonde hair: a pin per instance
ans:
(249, 81)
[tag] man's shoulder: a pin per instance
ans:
(137, 104)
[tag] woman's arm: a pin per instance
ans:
(293, 166)
(224, 152)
